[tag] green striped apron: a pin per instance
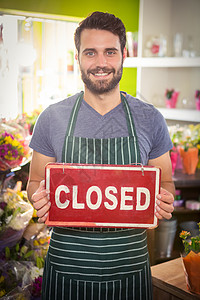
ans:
(98, 263)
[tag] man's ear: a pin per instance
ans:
(124, 53)
(76, 56)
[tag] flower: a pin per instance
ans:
(15, 217)
(169, 93)
(197, 94)
(190, 245)
(28, 121)
(11, 150)
(186, 137)
(37, 287)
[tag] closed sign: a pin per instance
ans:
(102, 195)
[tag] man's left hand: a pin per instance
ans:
(164, 207)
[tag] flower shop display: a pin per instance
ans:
(186, 141)
(171, 98)
(11, 151)
(14, 147)
(197, 99)
(28, 121)
(191, 260)
(15, 214)
(24, 245)
(15, 279)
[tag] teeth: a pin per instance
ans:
(101, 74)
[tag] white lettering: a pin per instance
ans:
(111, 197)
(97, 190)
(75, 203)
(61, 188)
(141, 191)
(125, 198)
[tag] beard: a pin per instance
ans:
(101, 86)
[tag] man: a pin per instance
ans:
(105, 126)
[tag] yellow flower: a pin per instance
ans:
(35, 213)
(2, 278)
(2, 293)
(15, 143)
(35, 243)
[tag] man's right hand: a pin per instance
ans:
(40, 201)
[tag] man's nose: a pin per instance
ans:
(101, 60)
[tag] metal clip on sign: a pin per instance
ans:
(142, 167)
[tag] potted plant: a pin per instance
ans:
(191, 260)
(171, 97)
(189, 149)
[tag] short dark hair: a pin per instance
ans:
(102, 21)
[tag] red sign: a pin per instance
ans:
(102, 195)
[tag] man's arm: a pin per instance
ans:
(36, 191)
(165, 199)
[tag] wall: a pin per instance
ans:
(126, 10)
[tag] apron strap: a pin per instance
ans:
(75, 110)
(73, 116)
(129, 118)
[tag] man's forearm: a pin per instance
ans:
(169, 186)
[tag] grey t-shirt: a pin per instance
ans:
(151, 129)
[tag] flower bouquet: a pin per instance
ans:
(171, 97)
(197, 97)
(191, 260)
(189, 149)
(15, 214)
(27, 121)
(186, 141)
(12, 151)
(14, 280)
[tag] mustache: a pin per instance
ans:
(103, 70)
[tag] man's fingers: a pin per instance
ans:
(43, 211)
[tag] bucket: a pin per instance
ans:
(165, 235)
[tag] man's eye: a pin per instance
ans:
(110, 53)
(90, 53)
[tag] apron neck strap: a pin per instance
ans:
(75, 110)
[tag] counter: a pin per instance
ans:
(169, 282)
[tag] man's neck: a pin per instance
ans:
(103, 103)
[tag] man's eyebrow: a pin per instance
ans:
(94, 50)
(112, 48)
(88, 49)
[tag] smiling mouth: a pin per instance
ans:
(101, 73)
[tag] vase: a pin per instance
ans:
(171, 103)
(197, 103)
(189, 160)
(174, 157)
(191, 265)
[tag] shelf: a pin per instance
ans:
(188, 115)
(161, 62)
(182, 210)
(182, 180)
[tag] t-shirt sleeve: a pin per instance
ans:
(41, 138)
(161, 139)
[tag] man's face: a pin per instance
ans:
(100, 60)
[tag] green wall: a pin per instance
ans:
(126, 10)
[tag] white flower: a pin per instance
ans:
(36, 272)
(1, 212)
(7, 221)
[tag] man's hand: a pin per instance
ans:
(164, 206)
(41, 203)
